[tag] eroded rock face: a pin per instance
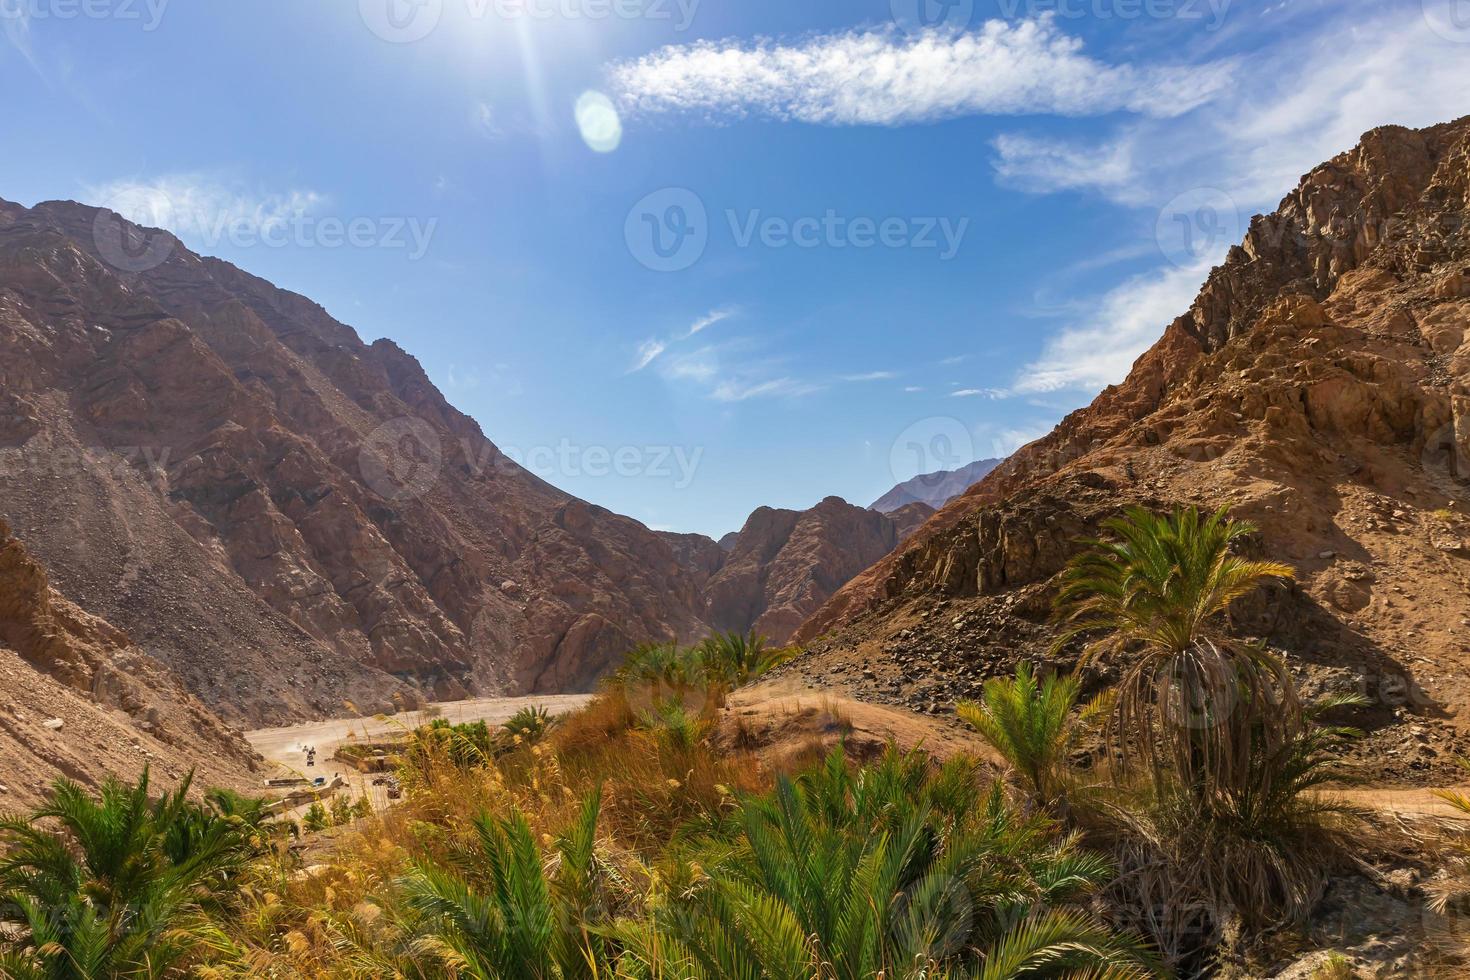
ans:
(1319, 386)
(292, 520)
(62, 664)
(1340, 322)
(785, 564)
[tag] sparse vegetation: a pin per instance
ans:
(1195, 703)
(1032, 725)
(629, 841)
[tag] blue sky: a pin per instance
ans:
(689, 257)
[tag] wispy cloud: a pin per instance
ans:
(870, 376)
(739, 391)
(709, 320)
(991, 393)
(888, 78)
(485, 120)
(1128, 320)
(199, 206)
(1290, 107)
(1052, 165)
(650, 350)
(1348, 68)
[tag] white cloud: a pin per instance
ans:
(913, 389)
(201, 207)
(1005, 442)
(648, 352)
(1295, 104)
(1052, 165)
(739, 391)
(485, 120)
(991, 393)
(709, 320)
(1292, 106)
(887, 78)
(1129, 319)
(870, 376)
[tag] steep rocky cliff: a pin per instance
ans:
(1319, 386)
(78, 699)
(288, 518)
(783, 564)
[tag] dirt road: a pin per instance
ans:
(286, 747)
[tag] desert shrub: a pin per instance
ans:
(1254, 860)
(120, 884)
(858, 873)
(315, 818)
(529, 725)
(736, 659)
(1032, 725)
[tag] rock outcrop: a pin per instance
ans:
(783, 564)
(294, 522)
(1319, 386)
(78, 699)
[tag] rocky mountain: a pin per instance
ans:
(78, 699)
(783, 564)
(288, 519)
(1320, 387)
(935, 489)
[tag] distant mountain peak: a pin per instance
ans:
(935, 489)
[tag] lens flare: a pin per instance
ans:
(598, 119)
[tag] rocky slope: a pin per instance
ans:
(935, 489)
(78, 699)
(783, 564)
(291, 520)
(1319, 386)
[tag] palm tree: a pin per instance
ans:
(529, 724)
(848, 876)
(739, 658)
(1030, 724)
(113, 886)
(1193, 699)
(494, 913)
